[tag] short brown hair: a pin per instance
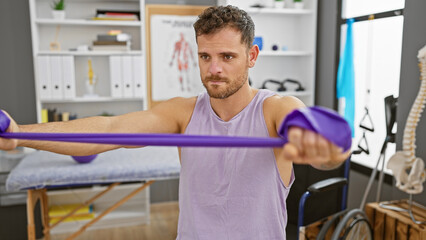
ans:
(219, 17)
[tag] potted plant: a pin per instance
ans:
(279, 3)
(298, 4)
(58, 10)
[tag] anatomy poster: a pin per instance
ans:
(174, 57)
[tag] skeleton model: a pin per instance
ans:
(409, 170)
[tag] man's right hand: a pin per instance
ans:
(9, 144)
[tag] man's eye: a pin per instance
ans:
(204, 57)
(228, 57)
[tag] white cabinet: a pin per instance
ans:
(292, 32)
(62, 75)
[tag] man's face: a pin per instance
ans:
(223, 62)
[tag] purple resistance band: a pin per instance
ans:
(317, 119)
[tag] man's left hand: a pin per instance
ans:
(307, 147)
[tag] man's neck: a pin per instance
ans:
(227, 108)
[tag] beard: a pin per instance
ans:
(231, 86)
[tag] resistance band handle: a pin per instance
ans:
(320, 120)
(4, 121)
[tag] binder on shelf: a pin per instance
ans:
(44, 77)
(127, 76)
(44, 116)
(115, 76)
(68, 74)
(50, 115)
(57, 117)
(65, 116)
(56, 75)
(138, 77)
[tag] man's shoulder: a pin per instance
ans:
(276, 108)
(179, 104)
(178, 110)
(285, 102)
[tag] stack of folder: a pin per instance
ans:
(113, 41)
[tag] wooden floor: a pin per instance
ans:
(163, 226)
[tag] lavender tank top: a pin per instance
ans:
(231, 193)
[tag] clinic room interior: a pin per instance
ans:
(350, 75)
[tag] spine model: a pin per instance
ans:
(409, 170)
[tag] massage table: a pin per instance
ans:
(40, 171)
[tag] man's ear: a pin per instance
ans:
(253, 53)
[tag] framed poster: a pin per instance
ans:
(172, 59)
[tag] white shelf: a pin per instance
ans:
(85, 22)
(86, 100)
(283, 11)
(90, 53)
(284, 53)
(294, 93)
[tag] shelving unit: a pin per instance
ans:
(75, 30)
(289, 28)
(79, 29)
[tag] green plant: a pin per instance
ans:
(59, 5)
(297, 0)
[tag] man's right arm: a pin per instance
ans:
(168, 117)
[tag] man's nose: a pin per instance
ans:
(215, 67)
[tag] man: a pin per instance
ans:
(224, 193)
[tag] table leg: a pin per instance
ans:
(44, 205)
(30, 215)
(32, 197)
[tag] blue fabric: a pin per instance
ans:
(346, 77)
